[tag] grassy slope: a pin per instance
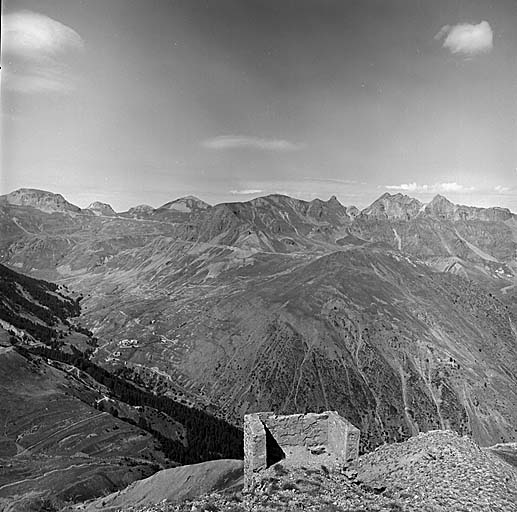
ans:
(54, 444)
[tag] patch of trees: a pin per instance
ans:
(48, 307)
(39, 331)
(208, 437)
(83, 330)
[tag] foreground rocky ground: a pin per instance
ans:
(439, 471)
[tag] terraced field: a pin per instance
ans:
(54, 444)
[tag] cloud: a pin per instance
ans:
(32, 34)
(409, 187)
(38, 80)
(467, 39)
(333, 180)
(500, 189)
(223, 142)
(431, 189)
(246, 192)
(35, 48)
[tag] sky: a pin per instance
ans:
(131, 102)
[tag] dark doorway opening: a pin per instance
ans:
(273, 451)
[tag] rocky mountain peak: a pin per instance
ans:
(186, 204)
(334, 203)
(438, 199)
(393, 206)
(141, 208)
(330, 210)
(141, 211)
(440, 207)
(101, 209)
(40, 199)
(352, 211)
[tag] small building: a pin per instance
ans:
(301, 439)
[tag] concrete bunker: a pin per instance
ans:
(301, 439)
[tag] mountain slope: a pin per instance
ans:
(70, 430)
(54, 444)
(390, 344)
(174, 485)
(283, 304)
(34, 308)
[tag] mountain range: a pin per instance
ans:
(401, 316)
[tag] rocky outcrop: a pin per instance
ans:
(440, 470)
(300, 439)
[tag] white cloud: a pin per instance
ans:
(246, 192)
(333, 180)
(408, 187)
(467, 39)
(453, 187)
(38, 80)
(431, 189)
(243, 141)
(35, 48)
(32, 34)
(500, 189)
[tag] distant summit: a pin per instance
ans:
(397, 206)
(40, 199)
(440, 207)
(101, 209)
(142, 211)
(186, 204)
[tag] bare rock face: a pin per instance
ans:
(300, 439)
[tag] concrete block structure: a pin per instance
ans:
(301, 439)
